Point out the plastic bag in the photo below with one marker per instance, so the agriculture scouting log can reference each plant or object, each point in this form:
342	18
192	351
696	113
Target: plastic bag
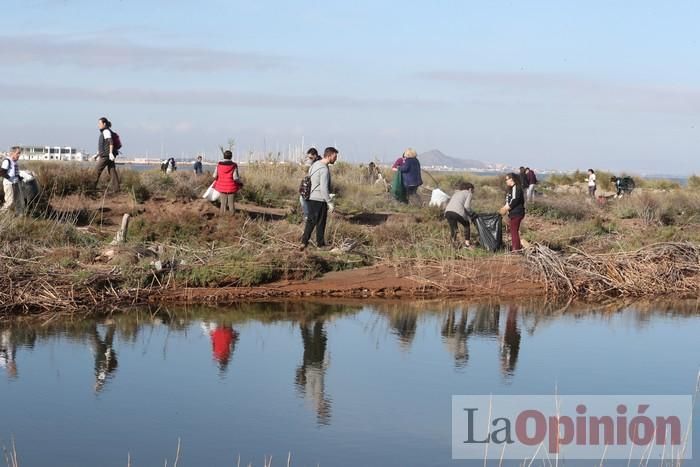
397	188
438	198
211	194
490	227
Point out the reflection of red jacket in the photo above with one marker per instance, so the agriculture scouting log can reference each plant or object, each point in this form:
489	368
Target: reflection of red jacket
221	340
225	177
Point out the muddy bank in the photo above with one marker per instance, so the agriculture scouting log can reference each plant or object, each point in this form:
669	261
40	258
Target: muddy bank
504	277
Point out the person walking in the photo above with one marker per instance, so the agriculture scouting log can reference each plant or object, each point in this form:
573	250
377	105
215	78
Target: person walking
591	183
227	181
524	180
458	211
532	181
320	201
311	157
106	155
515	208
197	166
10	179
411	178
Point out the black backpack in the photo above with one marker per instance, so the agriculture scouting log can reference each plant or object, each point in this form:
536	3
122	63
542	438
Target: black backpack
305	187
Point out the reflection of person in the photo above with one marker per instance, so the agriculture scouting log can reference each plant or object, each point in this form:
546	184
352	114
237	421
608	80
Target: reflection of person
487	320
405	324
455	334
510	345
223	341
310	376
8	352
105	356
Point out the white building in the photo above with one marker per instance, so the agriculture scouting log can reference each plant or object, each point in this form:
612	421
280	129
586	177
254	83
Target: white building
51	153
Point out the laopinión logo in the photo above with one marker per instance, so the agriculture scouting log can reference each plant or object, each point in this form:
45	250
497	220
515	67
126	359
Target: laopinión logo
572	427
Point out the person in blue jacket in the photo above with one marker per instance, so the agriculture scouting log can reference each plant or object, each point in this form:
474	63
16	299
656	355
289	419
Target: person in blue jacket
410	171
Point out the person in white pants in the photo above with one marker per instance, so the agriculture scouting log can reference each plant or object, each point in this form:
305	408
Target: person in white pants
10	173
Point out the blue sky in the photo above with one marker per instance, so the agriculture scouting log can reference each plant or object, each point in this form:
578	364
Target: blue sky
550	84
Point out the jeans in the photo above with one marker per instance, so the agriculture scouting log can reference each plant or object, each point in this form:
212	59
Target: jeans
452	220
515	232
318	214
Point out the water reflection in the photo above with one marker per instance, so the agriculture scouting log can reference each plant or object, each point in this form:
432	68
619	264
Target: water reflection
404	324
223	342
311	374
10	340
510	344
105	356
458	325
337	398
454	333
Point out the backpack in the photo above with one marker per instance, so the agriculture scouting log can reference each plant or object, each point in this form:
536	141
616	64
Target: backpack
116	141
305	188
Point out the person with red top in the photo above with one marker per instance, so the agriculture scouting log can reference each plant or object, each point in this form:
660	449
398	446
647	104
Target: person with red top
227	181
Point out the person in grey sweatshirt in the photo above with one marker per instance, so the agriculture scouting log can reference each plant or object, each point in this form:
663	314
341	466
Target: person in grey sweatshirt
320	202
458	211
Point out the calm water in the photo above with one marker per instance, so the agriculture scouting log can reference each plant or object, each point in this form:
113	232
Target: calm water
337	385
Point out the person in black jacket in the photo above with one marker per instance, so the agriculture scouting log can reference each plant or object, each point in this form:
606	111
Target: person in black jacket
515	208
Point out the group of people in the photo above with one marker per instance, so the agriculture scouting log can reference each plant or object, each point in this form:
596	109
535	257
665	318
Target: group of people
407	177
458	210
528	180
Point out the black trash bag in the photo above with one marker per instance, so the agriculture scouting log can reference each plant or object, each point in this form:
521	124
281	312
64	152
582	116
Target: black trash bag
490	227
627	184
26	193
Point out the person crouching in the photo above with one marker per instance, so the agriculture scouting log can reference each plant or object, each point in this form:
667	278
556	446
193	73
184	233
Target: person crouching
458	211
227	181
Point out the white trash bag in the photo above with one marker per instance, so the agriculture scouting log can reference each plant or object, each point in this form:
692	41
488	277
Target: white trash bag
439	198
211	194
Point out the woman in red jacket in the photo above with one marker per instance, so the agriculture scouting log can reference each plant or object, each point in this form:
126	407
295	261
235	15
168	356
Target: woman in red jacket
227	182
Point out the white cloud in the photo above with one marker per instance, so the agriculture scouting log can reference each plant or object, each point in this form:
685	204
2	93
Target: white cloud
60	51
569	89
205	98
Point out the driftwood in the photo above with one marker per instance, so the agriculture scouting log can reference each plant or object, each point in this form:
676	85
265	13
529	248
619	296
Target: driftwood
123	231
658	269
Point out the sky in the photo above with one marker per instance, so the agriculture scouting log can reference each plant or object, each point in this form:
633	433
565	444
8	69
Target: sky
550	84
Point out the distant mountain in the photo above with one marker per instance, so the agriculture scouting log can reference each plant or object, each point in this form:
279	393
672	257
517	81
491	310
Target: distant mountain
435	158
